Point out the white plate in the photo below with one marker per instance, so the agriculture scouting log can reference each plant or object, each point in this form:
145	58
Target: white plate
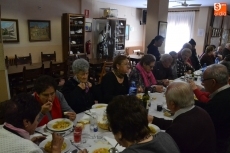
98	146
99	105
155	127
198	72
43	143
51	123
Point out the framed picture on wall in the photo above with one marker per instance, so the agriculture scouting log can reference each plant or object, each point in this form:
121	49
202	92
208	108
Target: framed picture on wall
10	31
162	28
39	30
88	26
127	28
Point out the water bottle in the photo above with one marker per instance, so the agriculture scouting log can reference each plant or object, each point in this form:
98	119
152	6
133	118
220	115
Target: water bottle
204	67
216	60
93	122
133	89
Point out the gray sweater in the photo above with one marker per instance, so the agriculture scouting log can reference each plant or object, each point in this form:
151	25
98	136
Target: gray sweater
161	143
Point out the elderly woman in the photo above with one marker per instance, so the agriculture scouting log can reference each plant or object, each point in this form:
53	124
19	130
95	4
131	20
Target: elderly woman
143	76
174	63
208	56
21	118
52	101
78	90
191	127
183	66
116	82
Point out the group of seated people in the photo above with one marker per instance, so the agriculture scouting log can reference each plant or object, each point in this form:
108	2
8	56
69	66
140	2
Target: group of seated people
200	126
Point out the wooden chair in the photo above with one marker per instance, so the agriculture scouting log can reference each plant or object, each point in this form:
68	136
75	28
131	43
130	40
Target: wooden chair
58	71
107	67
69	62
29	76
48	57
23	60
82	55
7	62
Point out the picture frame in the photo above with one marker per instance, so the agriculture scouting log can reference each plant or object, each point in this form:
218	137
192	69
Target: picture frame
10	32
39	30
162	28
127	29
88	27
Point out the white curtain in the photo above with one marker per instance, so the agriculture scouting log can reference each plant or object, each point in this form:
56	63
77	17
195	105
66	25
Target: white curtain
179	30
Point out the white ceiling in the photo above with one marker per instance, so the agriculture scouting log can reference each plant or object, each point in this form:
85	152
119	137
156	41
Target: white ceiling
142	3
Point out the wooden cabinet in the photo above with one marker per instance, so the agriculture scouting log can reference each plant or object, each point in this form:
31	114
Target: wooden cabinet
109	37
73	34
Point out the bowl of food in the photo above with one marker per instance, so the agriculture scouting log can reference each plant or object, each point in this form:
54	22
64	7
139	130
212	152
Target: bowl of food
59	125
99	105
154	129
99	148
45	145
103	122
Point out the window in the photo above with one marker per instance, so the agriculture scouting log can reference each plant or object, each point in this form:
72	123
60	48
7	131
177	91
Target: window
179	30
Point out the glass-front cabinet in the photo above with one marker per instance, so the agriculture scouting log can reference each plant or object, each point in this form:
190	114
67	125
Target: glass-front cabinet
73	34
109	37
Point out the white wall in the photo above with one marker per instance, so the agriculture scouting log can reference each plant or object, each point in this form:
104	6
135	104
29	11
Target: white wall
28	9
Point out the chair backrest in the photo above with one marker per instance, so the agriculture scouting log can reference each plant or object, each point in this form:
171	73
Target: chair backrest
107	67
58	70
48	57
69	62
23	60
82	55
136	51
30	75
7	62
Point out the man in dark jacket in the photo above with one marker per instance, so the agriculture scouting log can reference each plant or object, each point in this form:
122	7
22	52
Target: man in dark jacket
194	59
215	81
226	50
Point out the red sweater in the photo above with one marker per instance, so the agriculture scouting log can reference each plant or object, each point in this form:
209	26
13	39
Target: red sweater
202	96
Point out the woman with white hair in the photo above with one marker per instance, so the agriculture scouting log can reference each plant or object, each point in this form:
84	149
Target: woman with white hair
191	128
78	90
183	66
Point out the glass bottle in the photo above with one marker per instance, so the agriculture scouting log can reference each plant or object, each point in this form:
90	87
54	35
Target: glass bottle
146	99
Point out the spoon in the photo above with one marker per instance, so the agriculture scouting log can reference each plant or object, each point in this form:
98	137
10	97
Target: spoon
113	150
74	151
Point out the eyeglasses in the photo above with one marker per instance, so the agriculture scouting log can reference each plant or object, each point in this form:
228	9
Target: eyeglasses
202	79
151	67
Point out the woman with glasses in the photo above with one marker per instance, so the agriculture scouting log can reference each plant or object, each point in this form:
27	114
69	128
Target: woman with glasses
52	101
183	66
143	77
116	82
78	91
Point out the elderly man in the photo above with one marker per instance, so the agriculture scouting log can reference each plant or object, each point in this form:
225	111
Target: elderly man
191	128
174	64
183	66
215	81
162	69
226	50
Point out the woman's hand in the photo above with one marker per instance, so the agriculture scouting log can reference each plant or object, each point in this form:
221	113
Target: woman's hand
56	143
89	84
193	85
70	115
140	89
165	82
46	107
83	151
159	88
38	139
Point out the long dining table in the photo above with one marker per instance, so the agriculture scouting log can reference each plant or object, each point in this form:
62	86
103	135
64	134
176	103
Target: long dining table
91	140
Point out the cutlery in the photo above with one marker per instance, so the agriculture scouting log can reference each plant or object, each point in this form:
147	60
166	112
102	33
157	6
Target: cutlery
75	145
44	134
113	149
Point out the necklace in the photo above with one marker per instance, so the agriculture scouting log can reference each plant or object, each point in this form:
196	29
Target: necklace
119	75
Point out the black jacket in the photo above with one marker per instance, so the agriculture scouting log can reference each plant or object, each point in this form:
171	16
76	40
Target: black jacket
77	98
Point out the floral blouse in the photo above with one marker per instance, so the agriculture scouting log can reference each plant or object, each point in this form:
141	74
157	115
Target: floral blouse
183	67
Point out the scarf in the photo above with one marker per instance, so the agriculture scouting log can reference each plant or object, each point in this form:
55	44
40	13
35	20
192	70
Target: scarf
23	133
148	77
55	113
86	84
